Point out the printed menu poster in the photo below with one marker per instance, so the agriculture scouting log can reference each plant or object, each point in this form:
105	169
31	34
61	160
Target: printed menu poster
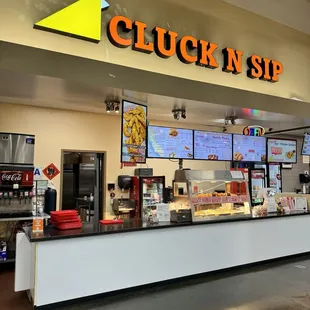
249	148
134	119
164	142
282	151
306	145
212	145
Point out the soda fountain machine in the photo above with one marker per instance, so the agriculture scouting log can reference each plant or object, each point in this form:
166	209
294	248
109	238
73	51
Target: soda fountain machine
16	174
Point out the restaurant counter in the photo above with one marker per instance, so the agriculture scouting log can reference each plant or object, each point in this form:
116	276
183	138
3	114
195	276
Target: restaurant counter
58	266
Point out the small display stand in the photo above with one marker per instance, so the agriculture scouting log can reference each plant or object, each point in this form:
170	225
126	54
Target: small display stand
268	194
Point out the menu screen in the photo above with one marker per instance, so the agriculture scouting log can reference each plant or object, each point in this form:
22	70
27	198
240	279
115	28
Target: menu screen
282	151
249	148
212	145
306	145
165	142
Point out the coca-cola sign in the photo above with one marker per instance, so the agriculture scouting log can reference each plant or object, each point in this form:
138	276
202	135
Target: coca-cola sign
11	177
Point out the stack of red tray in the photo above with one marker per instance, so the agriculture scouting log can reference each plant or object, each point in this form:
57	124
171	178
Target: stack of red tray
67	219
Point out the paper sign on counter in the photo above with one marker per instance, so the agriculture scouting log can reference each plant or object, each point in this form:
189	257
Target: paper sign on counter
301	204
37	224
163	212
236	174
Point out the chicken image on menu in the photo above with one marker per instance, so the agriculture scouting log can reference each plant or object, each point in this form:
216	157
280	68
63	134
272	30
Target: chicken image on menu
212	146
306	145
165	142
134	123
249	148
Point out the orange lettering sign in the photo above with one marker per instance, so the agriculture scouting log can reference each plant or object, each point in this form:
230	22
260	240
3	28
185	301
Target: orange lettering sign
232	60
185	45
164	42
140	44
113	35
189	49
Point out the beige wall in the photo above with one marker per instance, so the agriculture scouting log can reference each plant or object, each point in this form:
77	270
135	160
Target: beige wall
211	20
60	129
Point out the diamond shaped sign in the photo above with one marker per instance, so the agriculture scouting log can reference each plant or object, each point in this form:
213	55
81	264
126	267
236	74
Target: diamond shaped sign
51	171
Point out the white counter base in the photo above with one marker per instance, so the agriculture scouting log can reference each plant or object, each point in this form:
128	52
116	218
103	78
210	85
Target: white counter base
80	267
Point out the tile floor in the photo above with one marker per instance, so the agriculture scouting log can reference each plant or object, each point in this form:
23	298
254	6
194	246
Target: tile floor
9	300
269	287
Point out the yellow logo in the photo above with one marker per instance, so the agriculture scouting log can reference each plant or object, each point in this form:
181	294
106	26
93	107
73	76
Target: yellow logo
81	20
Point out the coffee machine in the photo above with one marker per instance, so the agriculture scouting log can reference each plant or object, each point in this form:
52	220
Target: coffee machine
16	174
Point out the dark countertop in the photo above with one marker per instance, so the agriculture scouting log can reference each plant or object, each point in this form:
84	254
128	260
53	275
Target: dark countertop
50	233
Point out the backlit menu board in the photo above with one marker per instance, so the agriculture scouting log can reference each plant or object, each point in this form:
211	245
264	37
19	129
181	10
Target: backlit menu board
249	148
306	145
165	142
212	145
133	144
282	151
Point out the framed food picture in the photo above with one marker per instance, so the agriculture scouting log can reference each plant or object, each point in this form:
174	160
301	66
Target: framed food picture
133	137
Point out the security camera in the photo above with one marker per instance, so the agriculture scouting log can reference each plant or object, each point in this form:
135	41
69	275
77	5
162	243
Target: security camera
178	113
231	119
176	116
270	129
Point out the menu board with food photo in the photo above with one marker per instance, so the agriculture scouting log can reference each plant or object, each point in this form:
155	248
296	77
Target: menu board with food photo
282	151
165	142
306	145
134	122
212	145
249	148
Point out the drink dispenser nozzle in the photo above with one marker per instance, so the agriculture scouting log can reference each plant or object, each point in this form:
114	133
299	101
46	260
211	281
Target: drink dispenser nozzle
5	196
21	196
10	197
26	197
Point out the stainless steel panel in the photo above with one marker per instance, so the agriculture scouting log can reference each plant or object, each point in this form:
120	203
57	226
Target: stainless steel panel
205	175
16	149
68	201
5	148
87	182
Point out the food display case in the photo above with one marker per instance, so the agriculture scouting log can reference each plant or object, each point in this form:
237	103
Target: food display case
218	194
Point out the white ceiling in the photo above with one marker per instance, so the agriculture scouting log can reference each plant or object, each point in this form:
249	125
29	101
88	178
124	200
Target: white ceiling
293	13
57	93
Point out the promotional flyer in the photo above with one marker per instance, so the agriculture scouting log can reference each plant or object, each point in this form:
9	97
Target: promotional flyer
282	151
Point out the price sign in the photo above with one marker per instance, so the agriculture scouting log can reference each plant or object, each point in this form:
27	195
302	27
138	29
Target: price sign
37	224
217	199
